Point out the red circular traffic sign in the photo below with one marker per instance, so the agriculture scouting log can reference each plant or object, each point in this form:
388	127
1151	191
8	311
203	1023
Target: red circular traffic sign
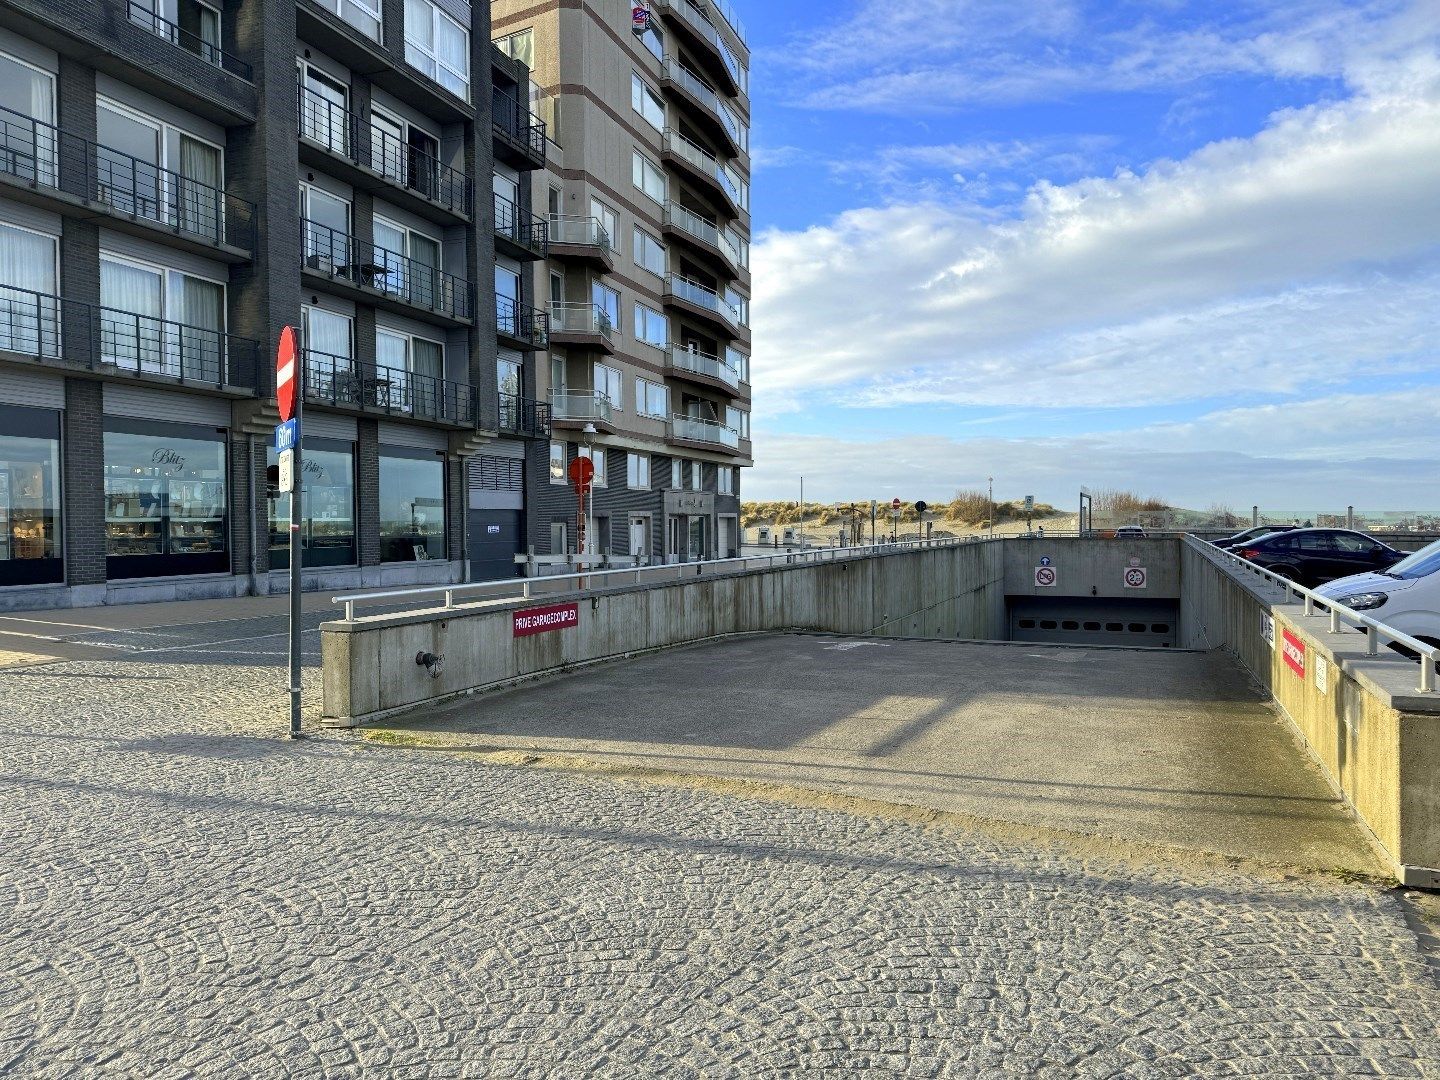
582	471
895	504
285	373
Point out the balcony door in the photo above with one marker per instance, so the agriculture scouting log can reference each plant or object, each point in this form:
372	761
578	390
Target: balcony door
330	373
326	219
325	110
387	146
131	324
507	301
422	160
29	309
130	162
27	109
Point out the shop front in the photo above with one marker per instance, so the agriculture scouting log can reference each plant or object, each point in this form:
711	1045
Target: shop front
166	500
689	526
30	538
327	507
412	505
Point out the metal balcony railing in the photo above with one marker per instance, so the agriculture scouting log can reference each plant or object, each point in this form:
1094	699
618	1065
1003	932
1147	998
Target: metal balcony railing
705	163
342	132
53	328
522	227
521	322
731	245
580	405
706	31
708	97
693	292
703	364
518	122
580	319
523	416
339	255
695	429
345	382
143	14
44	156
579	231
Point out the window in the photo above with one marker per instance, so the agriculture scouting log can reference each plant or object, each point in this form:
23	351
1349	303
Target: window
412	505
165	499
652	399
637	470
557	463
507	303
161	322
194	26
326	333
438	46
608	301
647	176
364	15
409	264
696	476
647	102
519	46
324	112
29	308
654	40
326	221
596	455
29	94
649	252
725	474
676	467
1313	542
651	327
739	361
409	372
608	221
738	420
152	170
327	507
741	305
1355	545
30	536
609	383
558	379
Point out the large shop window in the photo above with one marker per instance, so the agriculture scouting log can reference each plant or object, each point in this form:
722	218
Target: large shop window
30	496
412	505
166	508
327	507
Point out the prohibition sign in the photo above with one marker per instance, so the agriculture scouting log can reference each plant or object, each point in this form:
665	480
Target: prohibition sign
1135	577
1044	576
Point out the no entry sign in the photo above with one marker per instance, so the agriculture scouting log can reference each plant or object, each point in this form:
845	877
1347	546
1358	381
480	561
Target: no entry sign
541	620
285	380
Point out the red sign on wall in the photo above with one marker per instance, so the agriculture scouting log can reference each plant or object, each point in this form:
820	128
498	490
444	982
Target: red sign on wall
540	620
1293	649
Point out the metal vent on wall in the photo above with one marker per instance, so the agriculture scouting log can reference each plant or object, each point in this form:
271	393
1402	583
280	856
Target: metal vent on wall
496	473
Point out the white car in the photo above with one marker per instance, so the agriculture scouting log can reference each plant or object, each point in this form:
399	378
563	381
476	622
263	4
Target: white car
1406	597
1130	532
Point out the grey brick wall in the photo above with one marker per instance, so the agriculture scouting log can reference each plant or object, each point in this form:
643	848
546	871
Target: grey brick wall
84	493
367	491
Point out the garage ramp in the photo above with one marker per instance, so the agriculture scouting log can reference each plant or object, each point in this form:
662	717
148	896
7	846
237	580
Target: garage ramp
1156	745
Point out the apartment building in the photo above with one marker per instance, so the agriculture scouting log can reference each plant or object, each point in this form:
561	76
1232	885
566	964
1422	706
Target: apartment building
647	283
179	179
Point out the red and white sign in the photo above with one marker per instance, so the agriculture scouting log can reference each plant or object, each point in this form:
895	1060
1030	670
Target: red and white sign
541	620
639	18
582	472
285	381
895	504
1135	577
1044	576
1293	650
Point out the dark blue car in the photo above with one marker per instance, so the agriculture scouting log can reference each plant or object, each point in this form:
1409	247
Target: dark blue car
1314	556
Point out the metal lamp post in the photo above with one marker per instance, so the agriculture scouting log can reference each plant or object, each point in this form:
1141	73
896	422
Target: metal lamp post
991	481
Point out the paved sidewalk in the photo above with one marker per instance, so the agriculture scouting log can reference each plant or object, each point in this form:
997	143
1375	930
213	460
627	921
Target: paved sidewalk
186	894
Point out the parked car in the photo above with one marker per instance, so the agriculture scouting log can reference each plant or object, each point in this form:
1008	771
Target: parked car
1130	532
1314	556
1405	596
1227	543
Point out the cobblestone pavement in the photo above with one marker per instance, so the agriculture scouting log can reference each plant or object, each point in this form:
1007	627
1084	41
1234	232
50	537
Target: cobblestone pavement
184	894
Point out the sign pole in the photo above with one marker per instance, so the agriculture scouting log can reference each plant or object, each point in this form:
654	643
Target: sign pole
295	554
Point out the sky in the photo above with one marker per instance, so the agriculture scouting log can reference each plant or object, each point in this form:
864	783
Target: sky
1186	249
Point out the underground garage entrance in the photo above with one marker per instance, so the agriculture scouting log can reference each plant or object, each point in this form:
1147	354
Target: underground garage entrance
1088	620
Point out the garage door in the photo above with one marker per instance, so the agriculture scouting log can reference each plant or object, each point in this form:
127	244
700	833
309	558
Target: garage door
1085	620
494	543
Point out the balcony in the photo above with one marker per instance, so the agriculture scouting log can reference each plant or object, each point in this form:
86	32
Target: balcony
518	232
57	332
695	299
704	105
343	382
581	325
45	166
711	371
724	244
522	416
142	15
709	43
699	163
583	239
520	325
703	434
576	408
377	161
519	133
376	274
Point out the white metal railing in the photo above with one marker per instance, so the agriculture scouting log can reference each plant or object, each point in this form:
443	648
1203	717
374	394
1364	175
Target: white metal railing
678	73
727	179
707	31
703	229
703	364
526	588
696	429
581	231
579	405
580	319
1340	616
694	293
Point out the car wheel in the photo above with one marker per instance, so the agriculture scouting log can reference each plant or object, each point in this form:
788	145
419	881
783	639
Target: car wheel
1289	573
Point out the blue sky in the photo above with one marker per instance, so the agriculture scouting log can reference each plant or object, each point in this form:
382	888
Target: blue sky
1191	249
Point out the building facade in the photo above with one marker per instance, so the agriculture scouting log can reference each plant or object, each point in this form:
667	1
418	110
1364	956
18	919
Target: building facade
647	283
180	179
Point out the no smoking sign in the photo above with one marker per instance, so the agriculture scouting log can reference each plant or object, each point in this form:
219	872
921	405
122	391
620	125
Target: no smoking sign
1044	576
1135	577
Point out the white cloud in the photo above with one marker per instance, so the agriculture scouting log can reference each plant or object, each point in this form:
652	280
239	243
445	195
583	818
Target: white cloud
1302	257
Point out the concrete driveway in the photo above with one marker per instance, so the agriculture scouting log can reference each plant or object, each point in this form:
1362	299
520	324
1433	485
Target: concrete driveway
1161	747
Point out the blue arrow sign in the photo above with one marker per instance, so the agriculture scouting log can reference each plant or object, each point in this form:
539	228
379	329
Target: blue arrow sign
1044	559
287	435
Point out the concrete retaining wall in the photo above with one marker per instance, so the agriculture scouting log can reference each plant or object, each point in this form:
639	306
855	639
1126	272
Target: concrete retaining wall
1092	566
1361	716
370	669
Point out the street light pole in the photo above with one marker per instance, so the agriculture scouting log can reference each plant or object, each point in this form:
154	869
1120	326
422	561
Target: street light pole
991	481
802	513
